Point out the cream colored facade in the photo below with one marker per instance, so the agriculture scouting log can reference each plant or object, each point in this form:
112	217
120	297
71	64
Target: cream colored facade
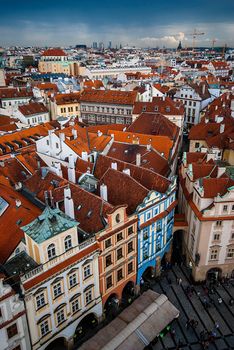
63	289
66	67
209	240
69	109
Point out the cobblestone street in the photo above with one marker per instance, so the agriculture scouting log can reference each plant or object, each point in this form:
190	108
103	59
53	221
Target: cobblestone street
192	307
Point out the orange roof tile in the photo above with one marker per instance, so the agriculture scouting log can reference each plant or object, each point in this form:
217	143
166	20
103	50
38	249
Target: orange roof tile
109	96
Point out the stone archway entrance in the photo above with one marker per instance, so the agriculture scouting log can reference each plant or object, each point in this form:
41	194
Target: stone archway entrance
57	344
128	293
111	306
86	328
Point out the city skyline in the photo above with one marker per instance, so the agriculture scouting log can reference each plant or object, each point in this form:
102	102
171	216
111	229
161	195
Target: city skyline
136	23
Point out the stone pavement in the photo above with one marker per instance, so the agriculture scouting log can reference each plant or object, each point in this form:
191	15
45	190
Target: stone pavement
192	307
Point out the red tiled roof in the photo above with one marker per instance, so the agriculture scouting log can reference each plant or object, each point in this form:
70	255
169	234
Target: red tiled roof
15	93
33	108
149	158
154	124
123	189
109	96
146	177
47	86
166	107
162	144
12	219
213	187
68	98
54	52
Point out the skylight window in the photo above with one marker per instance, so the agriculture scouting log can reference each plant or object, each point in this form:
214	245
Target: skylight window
3	205
89	213
79	207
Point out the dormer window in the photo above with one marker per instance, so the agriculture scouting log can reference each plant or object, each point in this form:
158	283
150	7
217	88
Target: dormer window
156	108
68	243
117	218
51	251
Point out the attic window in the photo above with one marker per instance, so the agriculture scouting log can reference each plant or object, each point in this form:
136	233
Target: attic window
90	212
168	109
18	222
156	108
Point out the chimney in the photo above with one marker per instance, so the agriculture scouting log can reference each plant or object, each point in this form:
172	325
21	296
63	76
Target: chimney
71	161
163	98
126	171
103	192
68	203
58	170
222	127
84	156
99	133
138	159
203	89
74	133
72	174
17	203
148	147
62	136
206	120
114	165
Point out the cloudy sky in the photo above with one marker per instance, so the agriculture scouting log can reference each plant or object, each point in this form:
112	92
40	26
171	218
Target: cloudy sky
144	23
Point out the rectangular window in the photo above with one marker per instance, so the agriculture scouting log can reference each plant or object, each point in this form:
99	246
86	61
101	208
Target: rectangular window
216	237
219	223
130	267
60	317
214	254
40	300
130	247
108	260
87	271
230	253
108	243
12	330
57	145
225	208
44	327
119	236
197	144
75	306
119	274
130	230
88	297
57	290
108	282
119	253
72	280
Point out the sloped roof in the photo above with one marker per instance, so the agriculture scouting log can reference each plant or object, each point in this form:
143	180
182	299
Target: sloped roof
33	108
123	189
154	124
213	187
12	219
109	96
54	52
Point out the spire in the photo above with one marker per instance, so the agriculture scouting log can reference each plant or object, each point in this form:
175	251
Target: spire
179	46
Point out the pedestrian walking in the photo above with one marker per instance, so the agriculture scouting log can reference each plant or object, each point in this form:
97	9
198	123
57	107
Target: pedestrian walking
216	325
220	300
231	302
180	281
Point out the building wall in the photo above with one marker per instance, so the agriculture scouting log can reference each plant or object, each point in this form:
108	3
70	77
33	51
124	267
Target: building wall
48	311
12	315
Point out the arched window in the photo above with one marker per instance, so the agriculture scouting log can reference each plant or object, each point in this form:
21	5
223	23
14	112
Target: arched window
51	251
68	242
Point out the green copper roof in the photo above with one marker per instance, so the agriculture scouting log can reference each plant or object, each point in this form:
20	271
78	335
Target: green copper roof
49	224
230	171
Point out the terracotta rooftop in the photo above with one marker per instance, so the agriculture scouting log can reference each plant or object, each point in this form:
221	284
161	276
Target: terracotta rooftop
146	177
154	124
15	93
123	189
68	98
162	144
213	187
54	52
150	159
33	108
109	96
159	104
12	219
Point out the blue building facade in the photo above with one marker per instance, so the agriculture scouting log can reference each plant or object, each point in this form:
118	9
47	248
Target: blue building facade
155	228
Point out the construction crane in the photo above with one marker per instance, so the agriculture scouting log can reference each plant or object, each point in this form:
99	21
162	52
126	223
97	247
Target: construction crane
213	43
194	35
